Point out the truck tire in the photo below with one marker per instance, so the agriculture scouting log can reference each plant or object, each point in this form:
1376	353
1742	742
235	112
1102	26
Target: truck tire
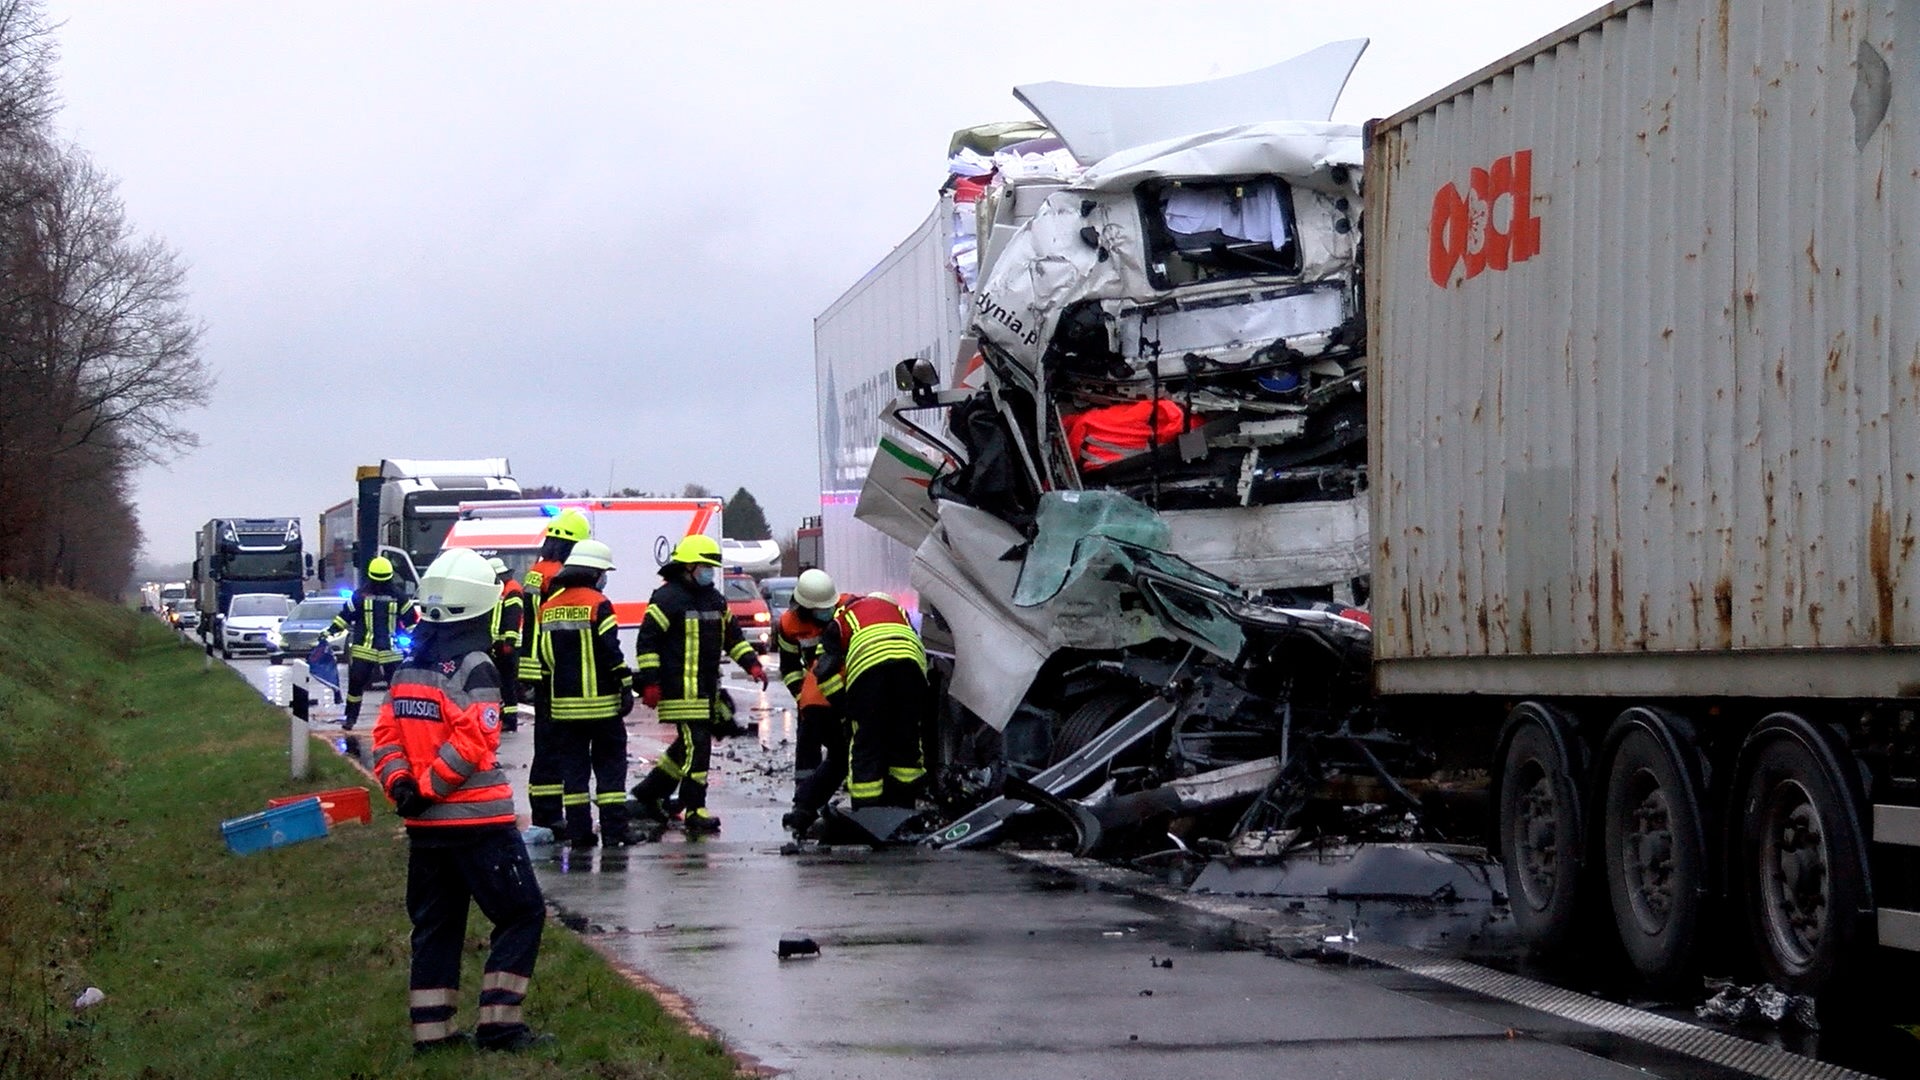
1653	842
1542	830
1092	717
1800	864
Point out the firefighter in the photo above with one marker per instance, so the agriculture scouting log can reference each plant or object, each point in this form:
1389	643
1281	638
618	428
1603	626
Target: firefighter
819	736
677	667
508	615
544	789
873	668
589	690
435	754
375	615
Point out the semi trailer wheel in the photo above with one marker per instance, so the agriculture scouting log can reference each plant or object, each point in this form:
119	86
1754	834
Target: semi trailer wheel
1653	842
1092	717
1542	827
1801	863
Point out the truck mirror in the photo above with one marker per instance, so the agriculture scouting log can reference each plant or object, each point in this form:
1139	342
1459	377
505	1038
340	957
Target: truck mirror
309	565
915	374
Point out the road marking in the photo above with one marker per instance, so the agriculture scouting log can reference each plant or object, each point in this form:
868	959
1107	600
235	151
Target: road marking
1678	1036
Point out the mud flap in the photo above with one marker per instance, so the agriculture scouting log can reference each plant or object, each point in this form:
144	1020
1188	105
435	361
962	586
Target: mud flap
874	825
977	826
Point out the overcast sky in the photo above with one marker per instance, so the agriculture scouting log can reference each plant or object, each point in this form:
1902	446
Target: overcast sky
591	237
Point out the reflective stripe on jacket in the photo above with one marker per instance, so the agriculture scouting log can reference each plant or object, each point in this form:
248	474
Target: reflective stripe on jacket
440	727
579	655
866	631
797	639
371	620
686	629
508	614
534	586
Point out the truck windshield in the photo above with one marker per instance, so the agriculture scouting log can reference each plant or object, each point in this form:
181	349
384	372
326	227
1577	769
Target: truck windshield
263	565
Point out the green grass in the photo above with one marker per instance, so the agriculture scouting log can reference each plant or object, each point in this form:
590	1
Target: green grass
119	757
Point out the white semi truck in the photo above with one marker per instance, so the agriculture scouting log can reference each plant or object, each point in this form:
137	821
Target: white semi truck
1633	328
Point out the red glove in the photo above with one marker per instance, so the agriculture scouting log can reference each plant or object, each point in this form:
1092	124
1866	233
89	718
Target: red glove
650	695
759	674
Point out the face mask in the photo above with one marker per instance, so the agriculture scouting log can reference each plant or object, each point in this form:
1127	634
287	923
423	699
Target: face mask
703	575
822	614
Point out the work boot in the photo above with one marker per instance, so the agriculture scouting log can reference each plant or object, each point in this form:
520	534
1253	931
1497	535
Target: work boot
459	1040
798	820
514	1040
647	810
582	841
701	822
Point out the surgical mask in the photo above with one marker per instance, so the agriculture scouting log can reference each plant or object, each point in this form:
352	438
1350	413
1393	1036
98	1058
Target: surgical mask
703	575
821	614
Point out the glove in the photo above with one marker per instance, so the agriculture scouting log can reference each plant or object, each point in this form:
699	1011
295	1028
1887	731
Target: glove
758	674
626	702
407	799
650	694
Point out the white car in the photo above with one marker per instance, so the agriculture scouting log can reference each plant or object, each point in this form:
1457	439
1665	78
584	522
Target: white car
249	619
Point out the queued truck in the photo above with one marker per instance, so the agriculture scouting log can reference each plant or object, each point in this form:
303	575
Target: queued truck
1630	328
239	556
402	509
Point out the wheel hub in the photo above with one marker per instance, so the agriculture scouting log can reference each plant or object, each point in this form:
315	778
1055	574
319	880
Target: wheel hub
1647	850
1539	835
1793	865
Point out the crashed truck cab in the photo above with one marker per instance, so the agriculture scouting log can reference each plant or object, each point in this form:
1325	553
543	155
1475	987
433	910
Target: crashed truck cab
1150	463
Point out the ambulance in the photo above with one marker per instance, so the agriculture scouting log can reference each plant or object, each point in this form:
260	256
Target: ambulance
641	533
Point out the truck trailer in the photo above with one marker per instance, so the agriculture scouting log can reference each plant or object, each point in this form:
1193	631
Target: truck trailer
402	509
245	555
1639	381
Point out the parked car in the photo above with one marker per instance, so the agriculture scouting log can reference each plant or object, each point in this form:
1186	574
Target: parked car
778	593
183	614
305	625
249	619
748	607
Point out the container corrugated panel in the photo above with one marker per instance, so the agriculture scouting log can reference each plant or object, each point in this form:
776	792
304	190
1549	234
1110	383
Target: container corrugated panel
1646	353
908	305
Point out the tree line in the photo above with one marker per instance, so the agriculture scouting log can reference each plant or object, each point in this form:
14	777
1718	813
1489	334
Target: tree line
98	353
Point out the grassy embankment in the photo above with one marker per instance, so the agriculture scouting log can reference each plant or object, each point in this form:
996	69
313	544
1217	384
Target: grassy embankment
119	756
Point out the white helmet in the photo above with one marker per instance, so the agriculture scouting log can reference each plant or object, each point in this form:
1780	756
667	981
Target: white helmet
815	590
458	585
591	554
499	566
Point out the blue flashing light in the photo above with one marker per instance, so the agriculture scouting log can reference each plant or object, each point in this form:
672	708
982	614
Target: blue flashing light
346	594
550	510
404	641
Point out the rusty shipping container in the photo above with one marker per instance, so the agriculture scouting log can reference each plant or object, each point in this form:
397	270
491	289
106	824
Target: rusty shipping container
1646	360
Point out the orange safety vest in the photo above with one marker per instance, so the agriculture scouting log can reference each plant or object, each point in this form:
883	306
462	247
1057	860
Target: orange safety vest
799	636
440	726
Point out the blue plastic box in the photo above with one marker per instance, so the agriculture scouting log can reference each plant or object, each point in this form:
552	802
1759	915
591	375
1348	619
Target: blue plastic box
274	828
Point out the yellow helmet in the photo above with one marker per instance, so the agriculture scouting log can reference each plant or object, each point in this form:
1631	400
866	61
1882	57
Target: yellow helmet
698	550
379	568
569	525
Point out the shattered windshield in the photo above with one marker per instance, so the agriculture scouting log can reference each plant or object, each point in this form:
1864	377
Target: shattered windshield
1212	230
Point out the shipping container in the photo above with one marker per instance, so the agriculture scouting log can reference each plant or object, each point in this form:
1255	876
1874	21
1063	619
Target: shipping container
1645	360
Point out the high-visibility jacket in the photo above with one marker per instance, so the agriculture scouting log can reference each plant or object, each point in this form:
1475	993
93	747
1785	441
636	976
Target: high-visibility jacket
865	631
579	655
686	629
534	586
440	727
372	619
507	616
797	640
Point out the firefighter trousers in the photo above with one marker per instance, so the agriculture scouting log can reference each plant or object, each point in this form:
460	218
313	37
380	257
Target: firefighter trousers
683	765
816	789
593	751
814	736
886	710
360	672
445	876
505	664
544	789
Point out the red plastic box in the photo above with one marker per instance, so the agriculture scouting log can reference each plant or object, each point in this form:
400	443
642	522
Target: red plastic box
338	805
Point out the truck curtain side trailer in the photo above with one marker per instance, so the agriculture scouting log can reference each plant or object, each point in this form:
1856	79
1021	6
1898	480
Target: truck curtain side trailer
245	555
1645	424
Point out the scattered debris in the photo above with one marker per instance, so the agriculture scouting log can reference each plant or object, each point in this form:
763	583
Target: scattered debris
537	835
794	946
1167	963
89	997
1763	1005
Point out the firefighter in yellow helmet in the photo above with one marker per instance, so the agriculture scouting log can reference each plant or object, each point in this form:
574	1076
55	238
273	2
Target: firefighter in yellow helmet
677	669
374	617
544	789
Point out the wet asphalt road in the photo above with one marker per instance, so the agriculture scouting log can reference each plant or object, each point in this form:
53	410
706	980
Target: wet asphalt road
980	963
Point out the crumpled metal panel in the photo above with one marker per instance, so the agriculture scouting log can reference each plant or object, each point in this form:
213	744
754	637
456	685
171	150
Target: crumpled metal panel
1647	349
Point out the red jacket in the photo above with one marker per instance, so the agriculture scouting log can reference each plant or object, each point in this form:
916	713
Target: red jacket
440	727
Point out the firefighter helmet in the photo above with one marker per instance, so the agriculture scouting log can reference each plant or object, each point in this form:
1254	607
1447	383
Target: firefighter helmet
569	525
697	550
499	567
591	554
379	568
458	585
815	590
